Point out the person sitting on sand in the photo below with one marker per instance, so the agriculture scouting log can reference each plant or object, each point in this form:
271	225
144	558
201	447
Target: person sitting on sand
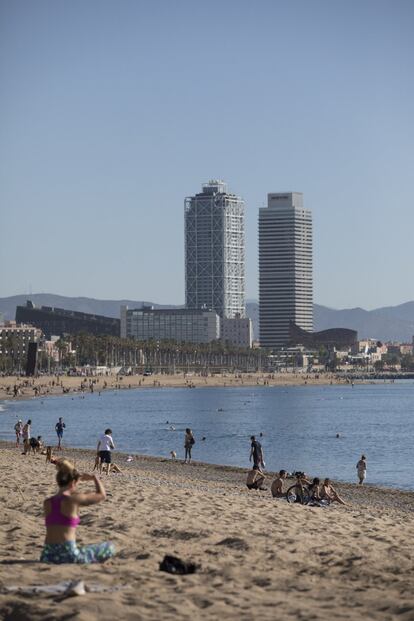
301	483
329	493
277	485
314	490
62	518
114	468
255	478
36	444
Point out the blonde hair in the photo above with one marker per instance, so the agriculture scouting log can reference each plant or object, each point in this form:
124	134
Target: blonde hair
66	472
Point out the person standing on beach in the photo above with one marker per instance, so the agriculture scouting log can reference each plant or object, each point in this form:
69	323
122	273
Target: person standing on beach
59	427
189	442
26	436
18	429
104	448
362	469
256	452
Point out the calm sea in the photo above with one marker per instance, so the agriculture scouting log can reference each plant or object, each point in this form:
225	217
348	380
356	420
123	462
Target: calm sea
299	425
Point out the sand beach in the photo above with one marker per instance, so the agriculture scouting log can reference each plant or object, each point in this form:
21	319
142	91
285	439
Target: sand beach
259	558
45	385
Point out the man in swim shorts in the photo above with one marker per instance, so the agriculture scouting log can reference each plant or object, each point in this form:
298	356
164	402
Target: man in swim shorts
255	478
59	427
256	452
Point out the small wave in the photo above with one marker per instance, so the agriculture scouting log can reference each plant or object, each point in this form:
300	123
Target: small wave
2	408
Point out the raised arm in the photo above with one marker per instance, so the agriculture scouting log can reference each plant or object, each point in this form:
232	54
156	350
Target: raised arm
91	498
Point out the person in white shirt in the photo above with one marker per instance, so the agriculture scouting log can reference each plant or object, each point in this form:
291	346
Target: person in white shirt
104	448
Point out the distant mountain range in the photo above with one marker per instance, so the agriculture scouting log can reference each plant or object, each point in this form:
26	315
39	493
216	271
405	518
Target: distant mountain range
391	323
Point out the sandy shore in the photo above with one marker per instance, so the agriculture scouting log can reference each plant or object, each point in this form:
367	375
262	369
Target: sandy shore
48	385
260	558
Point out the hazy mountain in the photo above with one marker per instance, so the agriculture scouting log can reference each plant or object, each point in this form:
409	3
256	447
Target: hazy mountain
391	323
107	308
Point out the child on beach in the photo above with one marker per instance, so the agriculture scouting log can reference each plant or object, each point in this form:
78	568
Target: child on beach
362	469
18	430
62	518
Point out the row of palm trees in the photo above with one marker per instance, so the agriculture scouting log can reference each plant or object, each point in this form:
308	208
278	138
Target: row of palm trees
160	356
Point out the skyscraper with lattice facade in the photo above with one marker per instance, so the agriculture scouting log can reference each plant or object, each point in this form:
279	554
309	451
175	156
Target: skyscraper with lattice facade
214	251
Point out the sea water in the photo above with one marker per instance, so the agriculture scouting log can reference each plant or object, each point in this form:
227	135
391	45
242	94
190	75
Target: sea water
299	425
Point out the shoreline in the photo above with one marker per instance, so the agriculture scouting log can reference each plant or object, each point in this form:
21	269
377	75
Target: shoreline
254	553
48	385
232	474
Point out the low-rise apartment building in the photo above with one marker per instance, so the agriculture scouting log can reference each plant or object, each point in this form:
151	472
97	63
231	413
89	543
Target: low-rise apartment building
170	324
237	331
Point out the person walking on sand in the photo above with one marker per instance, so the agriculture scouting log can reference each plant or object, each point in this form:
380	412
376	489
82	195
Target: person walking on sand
256	453
104	448
59	427
189	442
362	469
18	430
62	518
26	436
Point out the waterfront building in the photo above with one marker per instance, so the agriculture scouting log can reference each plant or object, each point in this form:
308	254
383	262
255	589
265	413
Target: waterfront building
15	341
58	322
332	338
285	268
214	251
237	331
170	324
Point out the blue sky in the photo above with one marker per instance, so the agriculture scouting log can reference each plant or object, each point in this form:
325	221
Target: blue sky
113	112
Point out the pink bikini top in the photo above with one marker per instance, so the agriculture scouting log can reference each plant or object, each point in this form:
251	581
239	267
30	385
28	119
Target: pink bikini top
56	517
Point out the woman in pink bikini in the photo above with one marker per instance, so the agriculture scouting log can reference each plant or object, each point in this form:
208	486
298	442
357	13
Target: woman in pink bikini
62	519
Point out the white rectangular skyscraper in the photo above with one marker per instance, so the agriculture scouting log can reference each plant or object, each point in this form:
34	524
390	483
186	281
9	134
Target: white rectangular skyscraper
285	268
214	251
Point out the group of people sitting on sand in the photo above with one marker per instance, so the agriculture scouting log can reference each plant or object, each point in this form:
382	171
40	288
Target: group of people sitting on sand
319	493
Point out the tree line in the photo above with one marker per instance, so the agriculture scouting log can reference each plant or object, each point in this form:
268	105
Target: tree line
155	356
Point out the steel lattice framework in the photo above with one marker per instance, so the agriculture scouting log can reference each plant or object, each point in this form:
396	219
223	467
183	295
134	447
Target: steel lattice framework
214	251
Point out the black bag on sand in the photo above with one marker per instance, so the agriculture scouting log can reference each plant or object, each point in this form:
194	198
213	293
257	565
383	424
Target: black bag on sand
174	565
